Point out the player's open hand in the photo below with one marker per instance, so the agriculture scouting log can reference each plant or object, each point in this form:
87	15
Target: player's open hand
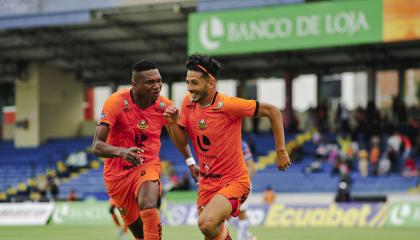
282	160
195	172
132	155
171	114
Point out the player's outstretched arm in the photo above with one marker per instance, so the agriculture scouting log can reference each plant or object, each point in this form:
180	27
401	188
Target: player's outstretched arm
101	149
276	121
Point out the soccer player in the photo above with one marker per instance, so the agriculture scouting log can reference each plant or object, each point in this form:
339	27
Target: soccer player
128	135
241	223
123	229
213	122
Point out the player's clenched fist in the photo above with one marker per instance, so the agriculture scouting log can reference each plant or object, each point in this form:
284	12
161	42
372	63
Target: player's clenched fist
171	114
132	155
282	160
195	172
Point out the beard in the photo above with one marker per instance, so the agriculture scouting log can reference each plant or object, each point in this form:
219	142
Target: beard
199	96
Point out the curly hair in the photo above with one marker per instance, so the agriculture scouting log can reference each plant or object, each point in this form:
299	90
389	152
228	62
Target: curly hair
205	64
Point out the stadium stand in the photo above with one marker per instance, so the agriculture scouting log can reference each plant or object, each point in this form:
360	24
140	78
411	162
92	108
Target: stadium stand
22	168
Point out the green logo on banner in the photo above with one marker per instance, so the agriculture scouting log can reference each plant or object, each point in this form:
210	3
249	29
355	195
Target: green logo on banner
286	27
210	33
82	213
405	214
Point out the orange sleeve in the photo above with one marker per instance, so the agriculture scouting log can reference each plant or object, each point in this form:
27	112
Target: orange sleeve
239	107
109	111
183	121
163	104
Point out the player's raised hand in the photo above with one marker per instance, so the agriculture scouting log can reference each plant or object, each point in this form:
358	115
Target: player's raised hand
171	114
195	172
282	160
132	155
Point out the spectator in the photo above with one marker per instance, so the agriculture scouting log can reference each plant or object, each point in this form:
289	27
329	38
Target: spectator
343	190
343	118
42	186
184	185
360	132
322	117
363	163
53	186
269	195
395	141
374	155
410	168
384	166
407	146
174	181
72	196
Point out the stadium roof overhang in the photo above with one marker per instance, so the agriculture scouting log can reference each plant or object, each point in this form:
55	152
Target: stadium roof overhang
102	49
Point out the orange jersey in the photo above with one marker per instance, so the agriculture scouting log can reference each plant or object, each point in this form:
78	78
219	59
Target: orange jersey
131	126
215	131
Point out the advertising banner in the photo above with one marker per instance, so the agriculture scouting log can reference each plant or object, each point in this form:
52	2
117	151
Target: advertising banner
281	215
14	214
406	214
299	26
82	213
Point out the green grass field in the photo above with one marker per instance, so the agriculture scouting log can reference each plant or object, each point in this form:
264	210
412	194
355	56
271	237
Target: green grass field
190	233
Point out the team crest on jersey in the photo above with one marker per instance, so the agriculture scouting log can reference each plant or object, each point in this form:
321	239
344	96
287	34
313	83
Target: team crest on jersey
202	124
142	124
220	104
162	105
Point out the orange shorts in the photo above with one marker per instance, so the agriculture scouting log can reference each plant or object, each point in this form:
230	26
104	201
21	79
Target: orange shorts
234	192
124	191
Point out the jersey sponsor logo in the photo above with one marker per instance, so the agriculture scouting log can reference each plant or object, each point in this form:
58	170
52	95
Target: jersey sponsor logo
129	167
207	156
211	175
202	124
140	139
143	173
142	125
203	144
